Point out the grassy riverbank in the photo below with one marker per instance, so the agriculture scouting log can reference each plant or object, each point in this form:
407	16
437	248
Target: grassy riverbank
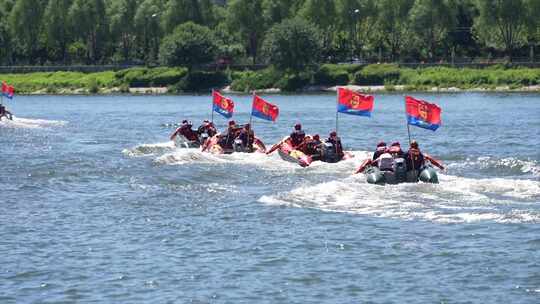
176	80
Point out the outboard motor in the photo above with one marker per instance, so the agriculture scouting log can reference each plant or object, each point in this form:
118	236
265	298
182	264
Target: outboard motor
329	153
400	169
386	162
238	146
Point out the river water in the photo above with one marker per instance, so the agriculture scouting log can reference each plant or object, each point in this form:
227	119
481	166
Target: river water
97	206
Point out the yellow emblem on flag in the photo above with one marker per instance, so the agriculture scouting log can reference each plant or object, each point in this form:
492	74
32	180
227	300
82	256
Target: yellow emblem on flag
224	103
423	111
265	109
355	101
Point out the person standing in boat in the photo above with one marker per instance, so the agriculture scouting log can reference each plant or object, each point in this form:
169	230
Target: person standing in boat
186	131
297	136
415	159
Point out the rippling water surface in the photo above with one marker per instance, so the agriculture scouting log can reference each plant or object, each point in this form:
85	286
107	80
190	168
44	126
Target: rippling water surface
97	206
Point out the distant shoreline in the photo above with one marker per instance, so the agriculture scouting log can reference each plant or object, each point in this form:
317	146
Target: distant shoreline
326	78
311	89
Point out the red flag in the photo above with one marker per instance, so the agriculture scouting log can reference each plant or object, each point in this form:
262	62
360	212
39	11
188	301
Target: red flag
422	114
222	105
353	103
4	88
10	92
263	109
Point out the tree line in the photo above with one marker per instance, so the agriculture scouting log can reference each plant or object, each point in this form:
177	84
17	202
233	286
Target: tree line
287	33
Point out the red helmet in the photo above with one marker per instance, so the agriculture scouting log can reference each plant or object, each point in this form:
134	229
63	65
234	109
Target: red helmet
333	133
381	144
396	143
232	123
316	137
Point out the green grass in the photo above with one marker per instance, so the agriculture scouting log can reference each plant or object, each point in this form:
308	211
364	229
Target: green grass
53	82
178	80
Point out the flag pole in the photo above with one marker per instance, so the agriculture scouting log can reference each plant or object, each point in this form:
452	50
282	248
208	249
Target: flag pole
407	122
409	148
251	113
212	107
337	105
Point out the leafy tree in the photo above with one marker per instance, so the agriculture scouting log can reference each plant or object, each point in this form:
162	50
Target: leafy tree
57	35
393	24
149	32
5	40
292	44
88	19
366	23
189	44
461	39
321	13
25	25
122	24
358	18
431	21
533	32
275	11
243	17
228	46
503	24
181	11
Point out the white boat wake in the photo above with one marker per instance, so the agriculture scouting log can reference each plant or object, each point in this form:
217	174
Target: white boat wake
28	123
455	199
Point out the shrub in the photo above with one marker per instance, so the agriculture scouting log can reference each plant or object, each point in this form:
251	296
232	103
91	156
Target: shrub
330	74
250	80
293	82
377	74
93	86
164	77
199	82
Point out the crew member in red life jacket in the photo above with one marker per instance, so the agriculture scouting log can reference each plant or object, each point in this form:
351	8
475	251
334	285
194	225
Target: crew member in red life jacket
186	131
395	150
247	137
415	159
297	136
335	141
208	128
381	148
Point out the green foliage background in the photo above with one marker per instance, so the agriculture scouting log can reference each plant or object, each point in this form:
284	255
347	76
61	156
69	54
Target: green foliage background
49	32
